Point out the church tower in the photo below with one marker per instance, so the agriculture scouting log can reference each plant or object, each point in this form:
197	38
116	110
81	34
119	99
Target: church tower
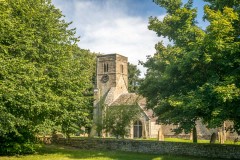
112	76
111	82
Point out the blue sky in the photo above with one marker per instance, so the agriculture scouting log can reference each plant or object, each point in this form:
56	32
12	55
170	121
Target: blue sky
117	26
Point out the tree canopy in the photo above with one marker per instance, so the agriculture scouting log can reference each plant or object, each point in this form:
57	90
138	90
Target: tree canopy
133	78
45	79
118	119
197	75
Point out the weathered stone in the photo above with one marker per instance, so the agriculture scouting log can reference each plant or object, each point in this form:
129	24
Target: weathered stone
160	134
213	138
209	151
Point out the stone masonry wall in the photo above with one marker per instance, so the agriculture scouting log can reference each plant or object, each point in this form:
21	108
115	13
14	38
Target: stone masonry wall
157	147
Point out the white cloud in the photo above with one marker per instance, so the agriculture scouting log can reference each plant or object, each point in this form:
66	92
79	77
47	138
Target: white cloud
105	27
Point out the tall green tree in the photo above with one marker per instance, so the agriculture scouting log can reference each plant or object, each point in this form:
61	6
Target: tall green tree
133	78
197	77
45	79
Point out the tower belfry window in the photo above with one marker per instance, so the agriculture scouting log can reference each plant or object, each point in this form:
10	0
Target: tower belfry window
121	68
105	69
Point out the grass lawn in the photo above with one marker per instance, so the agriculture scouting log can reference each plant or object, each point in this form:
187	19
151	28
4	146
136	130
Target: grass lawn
190	141
199	141
52	152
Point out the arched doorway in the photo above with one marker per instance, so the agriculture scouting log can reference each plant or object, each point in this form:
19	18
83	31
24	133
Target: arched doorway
137	129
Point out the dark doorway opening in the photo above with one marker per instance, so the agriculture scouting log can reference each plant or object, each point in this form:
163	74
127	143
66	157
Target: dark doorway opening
137	129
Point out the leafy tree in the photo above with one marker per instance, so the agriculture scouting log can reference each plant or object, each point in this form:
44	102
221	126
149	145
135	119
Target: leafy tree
45	79
221	45
133	78
219	5
77	95
197	77
117	119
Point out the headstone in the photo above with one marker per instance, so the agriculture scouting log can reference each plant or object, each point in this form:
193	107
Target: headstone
213	138
191	136
222	134
220	137
160	134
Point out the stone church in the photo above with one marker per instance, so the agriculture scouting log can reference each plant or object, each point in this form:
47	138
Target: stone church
112	86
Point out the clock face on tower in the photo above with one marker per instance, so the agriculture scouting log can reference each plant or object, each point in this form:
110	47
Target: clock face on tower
105	78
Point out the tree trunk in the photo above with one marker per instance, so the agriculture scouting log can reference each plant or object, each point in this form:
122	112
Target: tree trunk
68	137
194	135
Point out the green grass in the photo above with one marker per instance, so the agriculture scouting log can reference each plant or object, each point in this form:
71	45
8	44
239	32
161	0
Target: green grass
184	140
199	141
188	141
66	153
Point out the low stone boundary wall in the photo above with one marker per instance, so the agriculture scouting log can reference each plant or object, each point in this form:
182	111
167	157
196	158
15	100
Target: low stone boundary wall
157	147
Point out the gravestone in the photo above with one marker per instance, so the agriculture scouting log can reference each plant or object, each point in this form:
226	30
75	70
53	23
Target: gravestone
160	134
213	138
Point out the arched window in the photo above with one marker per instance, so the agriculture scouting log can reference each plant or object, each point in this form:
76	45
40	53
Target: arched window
105	67
137	129
121	68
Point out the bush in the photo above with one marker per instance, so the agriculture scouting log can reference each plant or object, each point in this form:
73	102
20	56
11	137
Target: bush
15	148
21	142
